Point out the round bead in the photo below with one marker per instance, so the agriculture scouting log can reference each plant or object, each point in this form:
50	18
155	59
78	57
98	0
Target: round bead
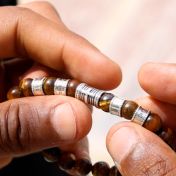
48	86
100	169
51	155
114	171
167	136
25	86
83	166
128	109
105	101
66	161
153	123
14	92
71	89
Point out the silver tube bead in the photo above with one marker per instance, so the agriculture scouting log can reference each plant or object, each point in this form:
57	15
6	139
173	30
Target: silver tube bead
60	86
116	106
37	86
140	116
88	94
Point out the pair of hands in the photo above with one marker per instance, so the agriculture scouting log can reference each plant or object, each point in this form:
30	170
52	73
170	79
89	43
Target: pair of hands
35	33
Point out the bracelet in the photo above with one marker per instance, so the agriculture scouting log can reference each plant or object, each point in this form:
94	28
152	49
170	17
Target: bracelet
105	101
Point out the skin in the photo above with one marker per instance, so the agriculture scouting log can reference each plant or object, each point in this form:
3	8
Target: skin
144	153
50	48
46	48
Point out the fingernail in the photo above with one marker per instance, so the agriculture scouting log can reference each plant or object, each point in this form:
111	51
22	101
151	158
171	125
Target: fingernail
121	143
64	122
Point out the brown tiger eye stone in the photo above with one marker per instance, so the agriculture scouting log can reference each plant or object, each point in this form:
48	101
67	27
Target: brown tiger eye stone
25	86
167	136
128	109
114	171
153	123
14	92
51	155
48	86
100	169
105	101
66	161
83	166
71	89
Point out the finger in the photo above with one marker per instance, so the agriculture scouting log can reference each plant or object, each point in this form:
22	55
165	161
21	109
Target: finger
12	65
159	81
55	46
165	110
35	123
137	151
38	71
5	161
45	9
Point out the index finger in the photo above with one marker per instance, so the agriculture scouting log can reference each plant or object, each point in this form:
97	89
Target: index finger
159	80
25	33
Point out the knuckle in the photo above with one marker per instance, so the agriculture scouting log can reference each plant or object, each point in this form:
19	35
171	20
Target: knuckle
14	127
143	161
44	4
39	5
22	11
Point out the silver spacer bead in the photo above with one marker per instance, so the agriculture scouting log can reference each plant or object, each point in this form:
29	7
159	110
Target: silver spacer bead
140	116
37	86
88	94
49	160
116	106
60	86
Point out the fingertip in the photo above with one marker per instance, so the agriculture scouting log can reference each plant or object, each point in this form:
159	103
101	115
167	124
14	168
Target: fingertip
83	118
158	79
110	78
136	150
71	119
114	129
87	64
119	143
144	74
114	76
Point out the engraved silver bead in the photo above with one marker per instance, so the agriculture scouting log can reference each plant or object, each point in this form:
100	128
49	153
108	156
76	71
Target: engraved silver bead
60	86
116	106
88	94
37	86
140	116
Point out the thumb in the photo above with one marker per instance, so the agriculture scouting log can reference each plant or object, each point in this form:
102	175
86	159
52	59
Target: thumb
36	123
136	151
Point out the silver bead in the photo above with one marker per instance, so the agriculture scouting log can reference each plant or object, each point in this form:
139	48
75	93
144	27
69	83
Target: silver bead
37	86
116	106
60	86
140	115
49	160
88	94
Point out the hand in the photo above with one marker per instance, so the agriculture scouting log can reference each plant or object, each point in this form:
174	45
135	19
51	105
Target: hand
136	150
35	32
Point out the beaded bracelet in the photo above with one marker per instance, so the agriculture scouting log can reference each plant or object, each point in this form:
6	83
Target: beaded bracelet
106	101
